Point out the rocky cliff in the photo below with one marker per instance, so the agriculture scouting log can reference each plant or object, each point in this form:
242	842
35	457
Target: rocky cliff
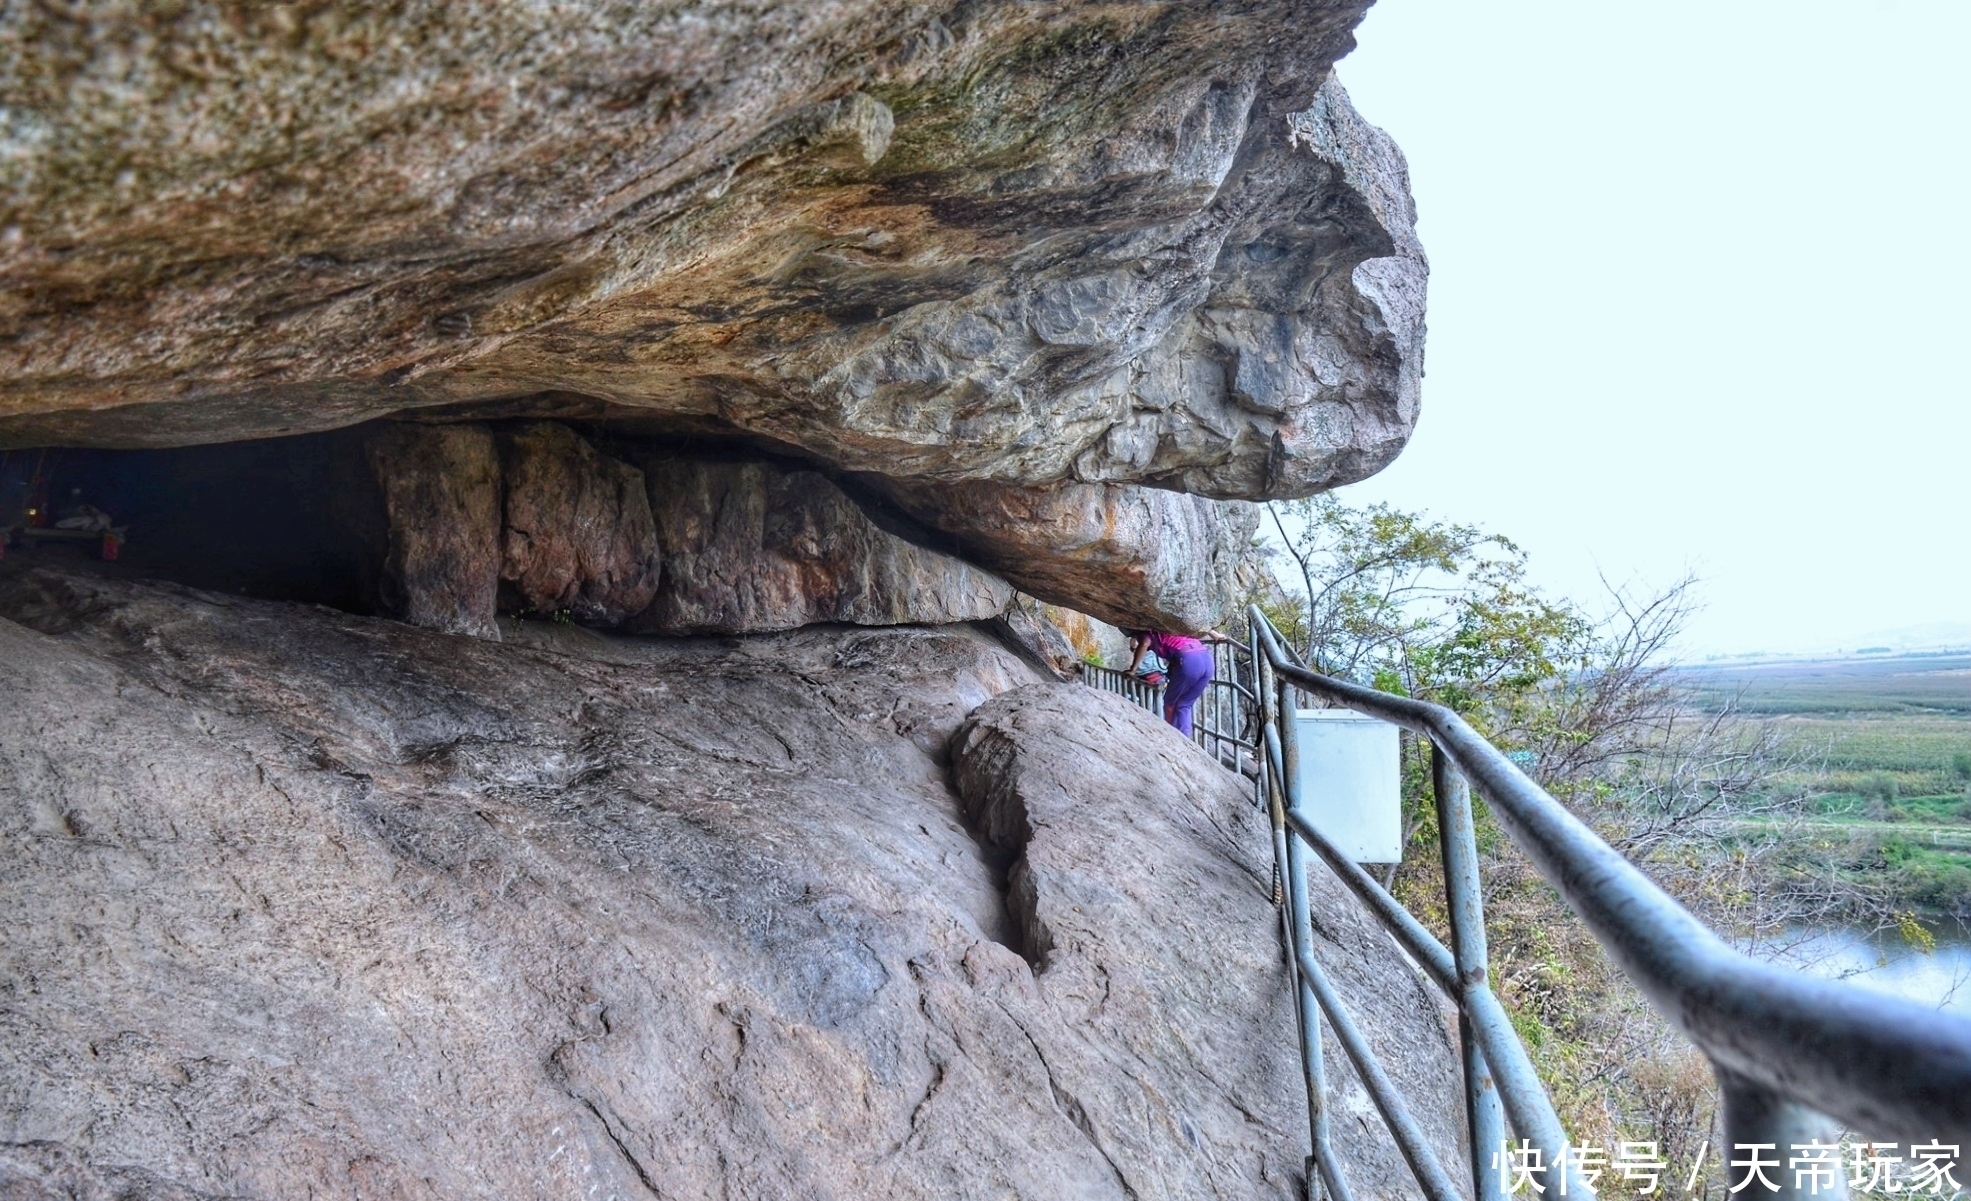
744	411
306	904
993	259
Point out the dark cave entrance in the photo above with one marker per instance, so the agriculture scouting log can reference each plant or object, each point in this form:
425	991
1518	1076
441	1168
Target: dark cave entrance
309	518
294	518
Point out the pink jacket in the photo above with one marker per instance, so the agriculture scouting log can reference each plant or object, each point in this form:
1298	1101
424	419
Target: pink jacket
1168	646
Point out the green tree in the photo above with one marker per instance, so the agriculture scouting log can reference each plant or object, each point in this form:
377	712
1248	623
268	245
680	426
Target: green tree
1587	704
1424	608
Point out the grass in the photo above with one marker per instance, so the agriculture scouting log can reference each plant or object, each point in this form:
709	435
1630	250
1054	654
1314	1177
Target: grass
1902	742
1902	684
1877	763
1884	757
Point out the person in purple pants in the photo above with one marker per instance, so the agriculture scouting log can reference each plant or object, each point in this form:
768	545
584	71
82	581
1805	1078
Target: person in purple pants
1190	663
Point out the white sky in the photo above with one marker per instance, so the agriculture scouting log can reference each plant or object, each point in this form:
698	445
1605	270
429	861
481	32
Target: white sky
1698	297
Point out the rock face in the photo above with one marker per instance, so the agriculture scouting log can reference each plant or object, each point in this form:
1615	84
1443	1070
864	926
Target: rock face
578	532
1003	245
898	305
303	903
751	546
739	545
1061	640
1138	557
441	498
905	236
1028	626
1090	639
1200	860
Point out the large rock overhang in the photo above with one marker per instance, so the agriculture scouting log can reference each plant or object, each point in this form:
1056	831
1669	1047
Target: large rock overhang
961	250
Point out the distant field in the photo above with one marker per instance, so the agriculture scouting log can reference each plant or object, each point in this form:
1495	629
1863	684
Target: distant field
1884	749
1895	727
1891	684
1865	741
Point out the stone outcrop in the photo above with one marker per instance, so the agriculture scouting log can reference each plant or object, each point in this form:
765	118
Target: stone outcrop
1026	626
532	519
904	236
441	499
1090	639
303	903
578	533
1061	640
1200	871
714	317
1138	557
752	546
1013	245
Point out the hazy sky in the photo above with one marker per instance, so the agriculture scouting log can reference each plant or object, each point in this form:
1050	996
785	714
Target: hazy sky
1698	297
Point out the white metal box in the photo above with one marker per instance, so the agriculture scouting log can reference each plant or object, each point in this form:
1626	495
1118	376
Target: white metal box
1351	786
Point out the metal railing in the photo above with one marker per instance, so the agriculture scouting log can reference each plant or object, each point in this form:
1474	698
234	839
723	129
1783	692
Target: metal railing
1226	720
1796	1058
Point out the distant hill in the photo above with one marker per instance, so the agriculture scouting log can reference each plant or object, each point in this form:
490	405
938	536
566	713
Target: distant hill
1937	637
1933	636
1877	683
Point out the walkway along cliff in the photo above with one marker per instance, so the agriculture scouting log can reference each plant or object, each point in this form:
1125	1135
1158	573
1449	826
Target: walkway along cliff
1813	1076
601	502
578	469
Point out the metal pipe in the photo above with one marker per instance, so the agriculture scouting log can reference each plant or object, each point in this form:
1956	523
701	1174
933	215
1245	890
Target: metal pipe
1300	939
1759	1124
1430	1174
1257	667
1484	1119
1525	1097
1878	1064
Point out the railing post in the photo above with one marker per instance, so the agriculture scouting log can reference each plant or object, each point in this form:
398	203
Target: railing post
1259	675
1484	1116
1318	995
1518	1085
1323	1170
1761	1125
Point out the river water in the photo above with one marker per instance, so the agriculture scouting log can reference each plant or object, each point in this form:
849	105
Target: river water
1883	961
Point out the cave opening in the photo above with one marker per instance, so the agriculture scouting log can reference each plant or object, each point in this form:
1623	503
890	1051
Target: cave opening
313	518
295	518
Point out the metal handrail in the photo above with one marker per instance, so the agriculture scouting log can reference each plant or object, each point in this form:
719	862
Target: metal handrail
1786	1048
1225	720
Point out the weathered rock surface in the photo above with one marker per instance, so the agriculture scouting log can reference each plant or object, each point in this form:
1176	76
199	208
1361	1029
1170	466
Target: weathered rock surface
1075	782
43	1171
1025	626
1061	640
1091	639
982	250
1028	242
441	499
302	903
751	546
1139	557
578	532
